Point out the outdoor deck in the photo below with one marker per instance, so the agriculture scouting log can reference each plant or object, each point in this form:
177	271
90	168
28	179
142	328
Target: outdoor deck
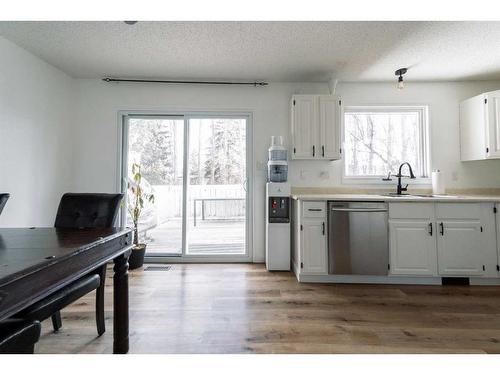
208	237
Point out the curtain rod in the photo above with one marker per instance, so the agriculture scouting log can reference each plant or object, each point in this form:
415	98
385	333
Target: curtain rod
255	84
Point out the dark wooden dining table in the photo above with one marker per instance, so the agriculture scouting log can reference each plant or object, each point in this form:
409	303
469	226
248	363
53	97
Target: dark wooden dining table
36	262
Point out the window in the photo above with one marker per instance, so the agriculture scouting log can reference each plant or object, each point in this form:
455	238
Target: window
378	139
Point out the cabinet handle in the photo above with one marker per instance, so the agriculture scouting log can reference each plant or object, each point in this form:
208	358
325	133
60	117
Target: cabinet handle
323	151
323	228
441	225
430	229
314	151
315	209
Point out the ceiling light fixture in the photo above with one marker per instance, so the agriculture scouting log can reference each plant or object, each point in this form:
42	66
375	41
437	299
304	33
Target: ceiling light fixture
400	72
130	22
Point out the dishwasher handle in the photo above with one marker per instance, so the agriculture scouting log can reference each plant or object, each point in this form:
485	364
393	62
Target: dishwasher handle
359	209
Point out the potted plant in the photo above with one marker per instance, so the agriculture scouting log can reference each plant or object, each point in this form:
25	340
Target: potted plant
136	198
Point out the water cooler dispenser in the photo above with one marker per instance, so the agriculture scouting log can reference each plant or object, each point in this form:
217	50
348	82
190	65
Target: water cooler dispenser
277	208
277	164
277	226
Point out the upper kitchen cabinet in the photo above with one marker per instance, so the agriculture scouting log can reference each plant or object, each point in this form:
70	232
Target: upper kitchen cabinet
316	127
480	127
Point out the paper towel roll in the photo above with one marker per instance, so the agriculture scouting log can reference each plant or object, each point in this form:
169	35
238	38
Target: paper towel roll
438	187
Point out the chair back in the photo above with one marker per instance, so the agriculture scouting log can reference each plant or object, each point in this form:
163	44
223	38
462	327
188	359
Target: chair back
4	197
87	210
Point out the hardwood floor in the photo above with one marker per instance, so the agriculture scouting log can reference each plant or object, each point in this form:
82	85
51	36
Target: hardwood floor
242	308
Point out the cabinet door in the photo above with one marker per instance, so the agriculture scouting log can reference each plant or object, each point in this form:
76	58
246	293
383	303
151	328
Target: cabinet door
304	127
473	129
460	251
412	247
497	219
314	254
493	121
329	127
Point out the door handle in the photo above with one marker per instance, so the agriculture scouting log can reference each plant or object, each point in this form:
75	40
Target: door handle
314	151
441	225
430	229
323	230
323	151
359	209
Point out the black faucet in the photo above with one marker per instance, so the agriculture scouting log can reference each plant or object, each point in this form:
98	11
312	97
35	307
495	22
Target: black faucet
400	188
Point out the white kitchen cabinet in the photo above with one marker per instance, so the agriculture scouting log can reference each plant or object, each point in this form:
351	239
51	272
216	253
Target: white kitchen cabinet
459	246
466	239
462	242
493	121
305	132
329	126
313	243
412	245
412	239
316	127
497	242
480	127
427	240
314	248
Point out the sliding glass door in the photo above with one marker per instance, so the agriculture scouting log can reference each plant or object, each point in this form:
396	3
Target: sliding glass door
196	167
156	144
216	186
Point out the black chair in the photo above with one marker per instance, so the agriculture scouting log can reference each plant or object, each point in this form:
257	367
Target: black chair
4	197
79	211
18	336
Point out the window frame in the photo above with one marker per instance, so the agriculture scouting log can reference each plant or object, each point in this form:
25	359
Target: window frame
423	175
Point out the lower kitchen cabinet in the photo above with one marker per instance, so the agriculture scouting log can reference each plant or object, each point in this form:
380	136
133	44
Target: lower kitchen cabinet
497	227
454	239
412	246
427	240
314	256
460	249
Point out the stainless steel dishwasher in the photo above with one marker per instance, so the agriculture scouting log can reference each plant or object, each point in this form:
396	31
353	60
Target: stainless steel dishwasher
357	238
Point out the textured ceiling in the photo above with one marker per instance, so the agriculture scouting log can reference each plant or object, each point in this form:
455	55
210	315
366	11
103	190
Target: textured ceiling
274	51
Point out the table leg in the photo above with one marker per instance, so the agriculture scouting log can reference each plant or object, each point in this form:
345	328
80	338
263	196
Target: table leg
120	304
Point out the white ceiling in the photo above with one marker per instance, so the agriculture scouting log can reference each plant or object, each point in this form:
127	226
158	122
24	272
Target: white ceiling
274	51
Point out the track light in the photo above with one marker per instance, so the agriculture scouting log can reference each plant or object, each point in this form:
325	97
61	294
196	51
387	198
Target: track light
400	73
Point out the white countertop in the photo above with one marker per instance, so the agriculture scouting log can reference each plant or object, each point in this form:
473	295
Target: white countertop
402	198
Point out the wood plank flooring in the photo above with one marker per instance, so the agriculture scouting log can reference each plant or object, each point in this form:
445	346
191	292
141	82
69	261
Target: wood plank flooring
242	308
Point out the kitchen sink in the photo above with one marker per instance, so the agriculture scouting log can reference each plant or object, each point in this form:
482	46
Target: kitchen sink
399	195
420	195
435	196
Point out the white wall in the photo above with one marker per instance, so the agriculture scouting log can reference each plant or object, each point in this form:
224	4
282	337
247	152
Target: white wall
96	150
35	137
443	101
59	134
98	103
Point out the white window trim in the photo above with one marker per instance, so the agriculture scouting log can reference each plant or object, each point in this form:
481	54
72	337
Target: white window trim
424	147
